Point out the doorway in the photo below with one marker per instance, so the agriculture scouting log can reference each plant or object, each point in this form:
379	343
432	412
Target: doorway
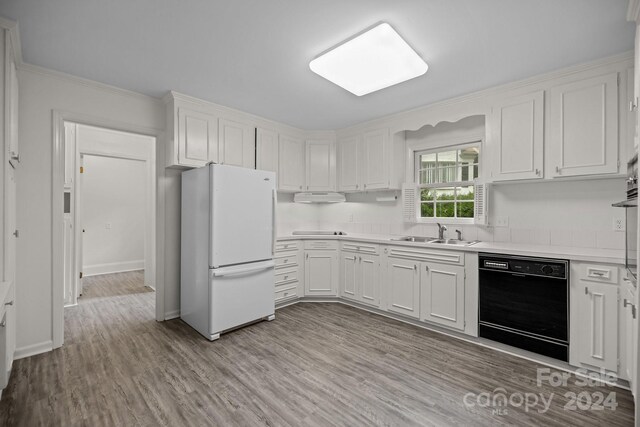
109	206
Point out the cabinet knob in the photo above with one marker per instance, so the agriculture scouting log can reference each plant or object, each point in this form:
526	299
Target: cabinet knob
11	303
538	172
558	169
426	268
586	290
415	267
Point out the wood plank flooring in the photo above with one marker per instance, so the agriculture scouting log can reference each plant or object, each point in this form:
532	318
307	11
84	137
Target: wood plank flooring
315	365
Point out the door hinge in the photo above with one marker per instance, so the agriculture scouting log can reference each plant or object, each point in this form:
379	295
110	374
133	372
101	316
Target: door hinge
81	274
81	169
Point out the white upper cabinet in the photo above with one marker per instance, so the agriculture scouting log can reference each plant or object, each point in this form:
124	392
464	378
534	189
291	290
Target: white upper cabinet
349	164
517	139
197	138
291	164
266	150
376	160
237	144
583	127
320	165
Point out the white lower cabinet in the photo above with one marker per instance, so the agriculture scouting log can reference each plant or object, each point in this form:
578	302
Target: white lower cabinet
442	294
629	320
360	273
403	287
321	268
288	271
594	297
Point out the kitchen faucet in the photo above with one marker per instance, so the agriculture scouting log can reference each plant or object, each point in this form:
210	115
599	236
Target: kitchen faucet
441	230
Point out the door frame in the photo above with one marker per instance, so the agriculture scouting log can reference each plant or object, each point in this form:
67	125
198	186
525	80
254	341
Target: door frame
57	204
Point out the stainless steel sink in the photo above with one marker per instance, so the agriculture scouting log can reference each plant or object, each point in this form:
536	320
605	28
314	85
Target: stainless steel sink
416	239
453	242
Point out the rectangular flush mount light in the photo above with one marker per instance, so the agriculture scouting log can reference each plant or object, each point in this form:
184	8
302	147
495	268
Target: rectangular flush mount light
374	60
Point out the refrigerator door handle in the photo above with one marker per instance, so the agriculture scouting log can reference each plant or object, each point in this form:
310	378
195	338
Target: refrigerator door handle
242	269
274	223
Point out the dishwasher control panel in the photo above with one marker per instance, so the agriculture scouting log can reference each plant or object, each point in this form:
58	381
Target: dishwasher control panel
530	265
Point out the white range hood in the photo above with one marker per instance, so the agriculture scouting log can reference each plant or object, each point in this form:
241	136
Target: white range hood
319	198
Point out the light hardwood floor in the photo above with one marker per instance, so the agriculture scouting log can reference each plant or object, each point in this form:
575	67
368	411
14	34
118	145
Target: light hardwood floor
316	364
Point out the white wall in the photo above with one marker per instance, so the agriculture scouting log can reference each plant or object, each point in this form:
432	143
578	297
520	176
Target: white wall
113	198
40	94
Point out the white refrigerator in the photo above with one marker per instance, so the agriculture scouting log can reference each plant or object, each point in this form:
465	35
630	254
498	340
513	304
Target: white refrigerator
228	238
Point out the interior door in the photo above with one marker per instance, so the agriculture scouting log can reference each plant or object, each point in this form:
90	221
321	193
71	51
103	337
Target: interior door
242	215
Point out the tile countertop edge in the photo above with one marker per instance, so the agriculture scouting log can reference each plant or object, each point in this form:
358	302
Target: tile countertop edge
608	256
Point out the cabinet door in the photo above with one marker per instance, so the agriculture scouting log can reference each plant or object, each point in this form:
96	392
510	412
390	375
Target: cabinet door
369	279
518	126
403	282
11	99
349	164
320	165
291	164
197	138
348	276
236	141
583	127
442	294
321	273
598	315
267	150
375	161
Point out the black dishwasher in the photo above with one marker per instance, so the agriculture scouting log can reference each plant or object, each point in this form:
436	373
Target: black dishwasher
524	302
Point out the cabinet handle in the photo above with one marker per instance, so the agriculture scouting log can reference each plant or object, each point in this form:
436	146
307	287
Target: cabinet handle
586	290
627	303
301	187
4	323
360	259
365	186
426	268
558	170
538	172
16	234
415	267
11	303
356	186
285	261
307	256
386	250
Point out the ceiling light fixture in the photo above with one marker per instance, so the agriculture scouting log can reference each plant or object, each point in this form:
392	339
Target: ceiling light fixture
373	60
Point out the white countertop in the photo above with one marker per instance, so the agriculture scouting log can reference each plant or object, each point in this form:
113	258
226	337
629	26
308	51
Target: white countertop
611	256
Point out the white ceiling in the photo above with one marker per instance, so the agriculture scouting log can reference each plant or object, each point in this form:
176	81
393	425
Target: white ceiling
254	54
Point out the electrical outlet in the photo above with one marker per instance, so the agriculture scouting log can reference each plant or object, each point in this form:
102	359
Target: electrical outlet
350	217
502	221
618	224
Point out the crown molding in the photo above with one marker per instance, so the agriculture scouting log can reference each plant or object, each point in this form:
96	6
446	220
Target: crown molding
621	59
36	69
633	10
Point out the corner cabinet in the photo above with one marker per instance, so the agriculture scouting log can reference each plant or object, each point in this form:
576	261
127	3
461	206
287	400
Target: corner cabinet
583	127
291	168
320	162
321	268
517	138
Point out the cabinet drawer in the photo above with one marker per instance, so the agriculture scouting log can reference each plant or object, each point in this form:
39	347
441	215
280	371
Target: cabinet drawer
286	293
286	260
288	245
367	248
321	244
419	254
598	273
286	276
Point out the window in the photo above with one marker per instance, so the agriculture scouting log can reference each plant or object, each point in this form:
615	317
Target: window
445	180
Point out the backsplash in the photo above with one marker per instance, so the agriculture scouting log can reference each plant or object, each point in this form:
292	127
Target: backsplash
558	213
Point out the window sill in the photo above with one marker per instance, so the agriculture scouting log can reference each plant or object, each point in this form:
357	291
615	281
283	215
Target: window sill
469	221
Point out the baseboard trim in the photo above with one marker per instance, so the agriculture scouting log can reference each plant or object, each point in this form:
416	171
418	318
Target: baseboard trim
483	342
33	349
112	267
173	314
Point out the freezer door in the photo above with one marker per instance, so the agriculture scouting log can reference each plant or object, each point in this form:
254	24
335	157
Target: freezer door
242	215
241	294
